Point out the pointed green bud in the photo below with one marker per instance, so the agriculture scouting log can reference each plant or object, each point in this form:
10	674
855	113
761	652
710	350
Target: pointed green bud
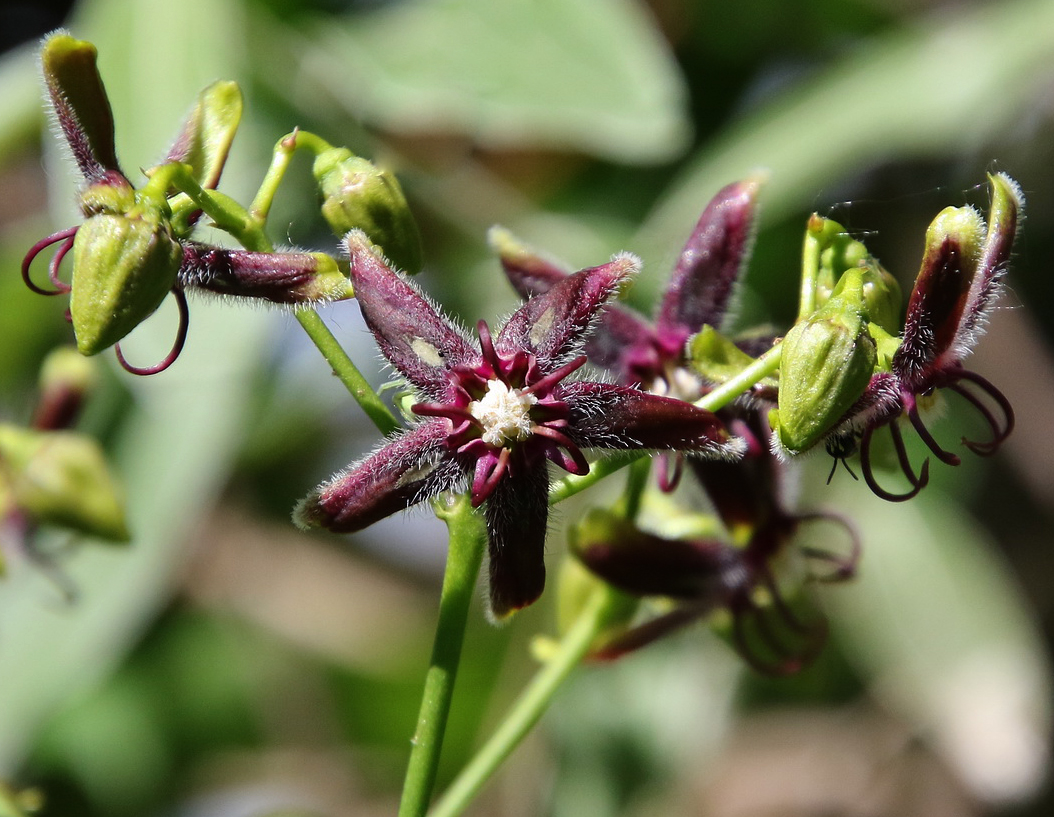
356	194
61	478
826	363
836	251
123	267
208	132
66	378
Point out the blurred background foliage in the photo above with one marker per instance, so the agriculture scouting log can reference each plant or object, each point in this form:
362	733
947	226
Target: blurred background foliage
224	665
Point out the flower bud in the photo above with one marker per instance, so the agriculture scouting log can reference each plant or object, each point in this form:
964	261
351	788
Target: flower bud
827	362
61	478
206	137
123	266
66	377
356	194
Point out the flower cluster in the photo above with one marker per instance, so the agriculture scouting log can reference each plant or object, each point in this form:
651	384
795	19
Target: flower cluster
136	246
495	412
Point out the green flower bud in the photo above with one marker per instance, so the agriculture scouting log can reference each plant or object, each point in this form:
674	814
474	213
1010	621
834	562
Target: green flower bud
826	363
356	194
123	266
66	378
208	132
880	297
61	478
837	252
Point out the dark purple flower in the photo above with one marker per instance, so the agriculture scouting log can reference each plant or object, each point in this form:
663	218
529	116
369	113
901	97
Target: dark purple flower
494	412
736	573
698	294
961	277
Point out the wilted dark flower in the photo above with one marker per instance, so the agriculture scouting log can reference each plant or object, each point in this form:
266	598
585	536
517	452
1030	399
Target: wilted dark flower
961	276
495	412
736	572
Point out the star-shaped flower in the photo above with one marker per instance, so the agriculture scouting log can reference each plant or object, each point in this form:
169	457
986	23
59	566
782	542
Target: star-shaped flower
961	277
495	411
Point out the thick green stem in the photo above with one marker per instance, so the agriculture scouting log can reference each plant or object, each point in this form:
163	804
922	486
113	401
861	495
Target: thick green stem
468	537
529	707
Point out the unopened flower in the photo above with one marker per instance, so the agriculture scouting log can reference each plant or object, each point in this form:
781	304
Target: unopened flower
963	266
494	412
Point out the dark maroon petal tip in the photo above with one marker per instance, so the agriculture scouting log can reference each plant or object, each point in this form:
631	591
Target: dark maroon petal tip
710	264
621	417
529	272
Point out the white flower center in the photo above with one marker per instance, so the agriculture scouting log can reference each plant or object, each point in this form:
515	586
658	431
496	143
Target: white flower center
503	413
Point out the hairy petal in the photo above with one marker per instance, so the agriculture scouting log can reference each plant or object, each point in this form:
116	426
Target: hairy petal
553	326
710	263
940	296
1005	214
415	337
81	106
621	417
517	511
408	469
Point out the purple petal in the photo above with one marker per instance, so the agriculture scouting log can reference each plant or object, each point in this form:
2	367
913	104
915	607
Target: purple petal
710	264
530	273
412	334
516	512
620	417
552	326
642	564
408	469
625	344
1003	219
935	311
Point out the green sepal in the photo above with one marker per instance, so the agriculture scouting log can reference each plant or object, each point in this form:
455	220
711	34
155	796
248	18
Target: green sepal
716	358
81	105
356	194
123	267
61	478
826	364
207	134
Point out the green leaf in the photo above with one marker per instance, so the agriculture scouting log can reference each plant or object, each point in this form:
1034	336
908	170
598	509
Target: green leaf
501	72
938	88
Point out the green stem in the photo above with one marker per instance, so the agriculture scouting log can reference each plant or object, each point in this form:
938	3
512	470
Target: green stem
468	536
346	371
717	398
529	707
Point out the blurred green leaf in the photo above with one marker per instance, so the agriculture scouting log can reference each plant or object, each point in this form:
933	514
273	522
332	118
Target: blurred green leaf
174	451
938	626
498	73
943	86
